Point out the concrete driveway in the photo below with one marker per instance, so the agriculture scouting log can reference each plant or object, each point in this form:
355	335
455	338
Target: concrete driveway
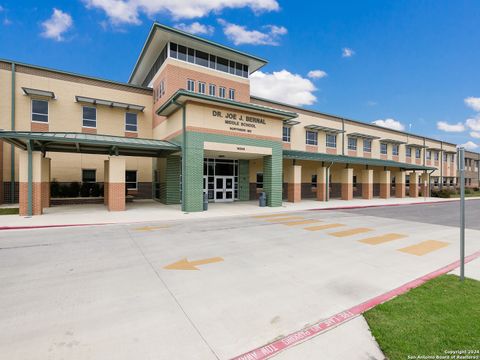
132	291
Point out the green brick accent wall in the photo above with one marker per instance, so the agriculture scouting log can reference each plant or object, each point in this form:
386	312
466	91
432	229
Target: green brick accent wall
243	180
170	191
194	168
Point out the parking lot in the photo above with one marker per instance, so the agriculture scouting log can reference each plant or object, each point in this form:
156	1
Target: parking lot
210	288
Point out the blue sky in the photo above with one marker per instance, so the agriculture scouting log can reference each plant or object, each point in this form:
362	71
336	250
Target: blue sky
410	63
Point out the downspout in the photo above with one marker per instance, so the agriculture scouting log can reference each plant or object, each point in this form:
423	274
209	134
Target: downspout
30	179
343	136
327	182
184	148
12	149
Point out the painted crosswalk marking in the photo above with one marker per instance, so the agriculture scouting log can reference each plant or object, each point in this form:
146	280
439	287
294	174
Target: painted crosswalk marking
301	222
322	227
288	218
375	240
351	232
424	247
270	216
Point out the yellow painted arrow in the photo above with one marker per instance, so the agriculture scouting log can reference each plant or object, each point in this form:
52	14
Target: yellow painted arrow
184	264
151	228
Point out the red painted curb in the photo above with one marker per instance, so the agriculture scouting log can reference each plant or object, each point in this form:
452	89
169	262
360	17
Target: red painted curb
48	226
380	205
298	337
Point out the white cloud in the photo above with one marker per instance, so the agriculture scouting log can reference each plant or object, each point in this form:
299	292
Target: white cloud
129	11
347	52
390	124
475	134
473	102
444	126
283	86
473	123
59	23
196	28
239	34
469	145
316	74
372	103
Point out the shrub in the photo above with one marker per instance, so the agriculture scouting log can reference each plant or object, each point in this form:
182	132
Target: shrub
74	189
101	191
85	189
95	190
63	190
54	189
476	188
468	191
445	193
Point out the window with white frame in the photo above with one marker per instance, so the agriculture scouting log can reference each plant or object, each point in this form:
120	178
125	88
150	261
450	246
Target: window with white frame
39	110
222	92
445	157
190	85
409	151
435	155
331	140
418	153
314	181
395	149
429	154
453	160
352	143
259	180
212	90
89	117
131	179
89	175
131	123
311	138
231	94
286	133
201	87
367	145
383	148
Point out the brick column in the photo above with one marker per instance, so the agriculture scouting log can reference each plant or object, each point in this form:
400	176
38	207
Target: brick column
413	191
400	184
1	172
46	170
425	185
385	184
294	183
367	184
116	184
322	183
106	165
347	184
36	183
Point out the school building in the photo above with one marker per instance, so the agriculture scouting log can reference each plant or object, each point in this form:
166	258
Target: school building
185	126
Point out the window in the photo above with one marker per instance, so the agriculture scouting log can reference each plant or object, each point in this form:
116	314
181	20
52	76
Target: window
331	140
407	180
354	182
213	62
173	50
231	94
222	64
367	145
286	133
418	153
131	122
314	181
395	148
201	58
444	157
259	180
429	155
190	85
352	143
182	52
39	110
131	179
383	148
89	175
212	90
409	151
231	67
89	117
311	138
435	155
201	87
191	55
451	181
221	92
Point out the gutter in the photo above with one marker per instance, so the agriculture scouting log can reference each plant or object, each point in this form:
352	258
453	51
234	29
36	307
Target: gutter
12	149
343	136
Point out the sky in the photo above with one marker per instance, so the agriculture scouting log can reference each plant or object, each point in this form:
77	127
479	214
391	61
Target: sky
411	65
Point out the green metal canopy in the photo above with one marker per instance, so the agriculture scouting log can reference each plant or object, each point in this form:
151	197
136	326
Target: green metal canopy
343	159
72	142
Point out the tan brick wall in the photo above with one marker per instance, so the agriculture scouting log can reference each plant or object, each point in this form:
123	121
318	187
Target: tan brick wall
45	194
116	196
36	198
35	126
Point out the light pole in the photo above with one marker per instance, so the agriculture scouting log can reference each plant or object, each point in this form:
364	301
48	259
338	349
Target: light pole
461	166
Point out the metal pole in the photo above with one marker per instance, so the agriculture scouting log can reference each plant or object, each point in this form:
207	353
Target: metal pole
461	162
12	148
30	179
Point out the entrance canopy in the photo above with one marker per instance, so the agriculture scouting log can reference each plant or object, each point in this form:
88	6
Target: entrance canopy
343	159
71	142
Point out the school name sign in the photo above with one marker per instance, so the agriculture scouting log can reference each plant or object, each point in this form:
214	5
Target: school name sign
239	122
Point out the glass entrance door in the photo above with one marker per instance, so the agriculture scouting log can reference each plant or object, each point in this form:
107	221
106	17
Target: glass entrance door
224	188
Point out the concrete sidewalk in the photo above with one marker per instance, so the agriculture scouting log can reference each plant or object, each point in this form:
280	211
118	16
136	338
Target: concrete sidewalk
149	210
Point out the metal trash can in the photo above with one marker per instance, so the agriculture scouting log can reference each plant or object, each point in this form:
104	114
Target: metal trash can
205	201
262	200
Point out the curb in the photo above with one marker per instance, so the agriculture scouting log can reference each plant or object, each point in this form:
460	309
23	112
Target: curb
286	342
382	205
28	227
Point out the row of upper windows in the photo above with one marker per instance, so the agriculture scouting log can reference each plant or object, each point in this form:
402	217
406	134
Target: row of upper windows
40	113
311	138
212	89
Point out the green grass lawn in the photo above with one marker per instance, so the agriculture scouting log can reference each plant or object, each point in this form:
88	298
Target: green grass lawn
443	314
9	211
